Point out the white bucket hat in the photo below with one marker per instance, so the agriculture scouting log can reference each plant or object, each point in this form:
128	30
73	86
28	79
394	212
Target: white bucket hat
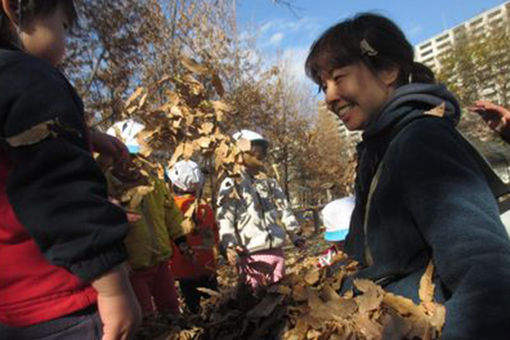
249	135
127	130
336	216
187	176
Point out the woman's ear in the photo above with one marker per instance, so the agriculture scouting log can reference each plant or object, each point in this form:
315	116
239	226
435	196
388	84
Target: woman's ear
12	10
389	76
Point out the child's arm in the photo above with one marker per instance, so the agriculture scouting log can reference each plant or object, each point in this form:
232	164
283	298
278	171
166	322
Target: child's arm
55	187
287	216
117	304
226	216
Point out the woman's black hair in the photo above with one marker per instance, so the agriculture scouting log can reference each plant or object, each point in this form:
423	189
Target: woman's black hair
370	39
32	8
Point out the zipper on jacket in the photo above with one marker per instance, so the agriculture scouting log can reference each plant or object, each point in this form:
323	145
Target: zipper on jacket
151	230
373	185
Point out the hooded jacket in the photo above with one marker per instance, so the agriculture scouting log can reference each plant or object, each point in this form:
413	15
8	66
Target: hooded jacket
58	231
149	240
203	240
431	202
248	214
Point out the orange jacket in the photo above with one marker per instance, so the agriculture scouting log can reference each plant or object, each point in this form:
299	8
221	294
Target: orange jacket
203	240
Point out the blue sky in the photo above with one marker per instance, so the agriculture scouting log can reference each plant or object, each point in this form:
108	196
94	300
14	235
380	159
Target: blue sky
291	34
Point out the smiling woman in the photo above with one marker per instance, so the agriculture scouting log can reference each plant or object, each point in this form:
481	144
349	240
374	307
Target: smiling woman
420	196
359	75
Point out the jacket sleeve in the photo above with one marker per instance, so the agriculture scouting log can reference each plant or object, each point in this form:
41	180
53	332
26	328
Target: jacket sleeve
283	206
55	187
226	214
173	217
455	211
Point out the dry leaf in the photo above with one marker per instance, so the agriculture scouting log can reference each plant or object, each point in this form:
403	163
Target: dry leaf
33	135
437	111
312	276
218	86
134	96
193	66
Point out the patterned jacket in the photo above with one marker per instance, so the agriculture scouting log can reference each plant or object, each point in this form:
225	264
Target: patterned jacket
249	213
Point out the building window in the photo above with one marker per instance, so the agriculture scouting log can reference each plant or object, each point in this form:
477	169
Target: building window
429	61
424	46
493	14
426	53
442	38
476	22
444	45
497	22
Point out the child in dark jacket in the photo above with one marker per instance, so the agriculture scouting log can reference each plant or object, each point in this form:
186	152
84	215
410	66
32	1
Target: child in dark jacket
187	181
61	241
420	195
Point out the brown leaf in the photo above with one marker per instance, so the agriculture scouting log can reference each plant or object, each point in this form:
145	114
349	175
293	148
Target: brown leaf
266	306
369	328
33	135
221	106
244	145
218	86
312	276
204	142
426	291
133	96
193	66
206	128
437	111
208	291
179	151
372	295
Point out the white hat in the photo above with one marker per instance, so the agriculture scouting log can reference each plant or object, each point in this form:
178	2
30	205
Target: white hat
336	216
249	135
186	175
128	130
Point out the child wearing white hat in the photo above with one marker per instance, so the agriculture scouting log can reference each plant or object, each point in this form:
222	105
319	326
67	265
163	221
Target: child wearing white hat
149	240
249	215
187	182
336	216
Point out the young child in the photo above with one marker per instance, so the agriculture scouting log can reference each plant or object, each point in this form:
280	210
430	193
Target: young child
187	182
61	241
336	216
248	213
140	191
420	195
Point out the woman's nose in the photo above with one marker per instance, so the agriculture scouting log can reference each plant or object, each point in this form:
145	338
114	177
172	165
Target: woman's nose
331	94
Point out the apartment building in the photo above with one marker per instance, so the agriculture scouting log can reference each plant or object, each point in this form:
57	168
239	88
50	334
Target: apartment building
430	51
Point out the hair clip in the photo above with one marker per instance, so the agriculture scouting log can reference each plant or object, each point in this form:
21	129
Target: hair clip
366	49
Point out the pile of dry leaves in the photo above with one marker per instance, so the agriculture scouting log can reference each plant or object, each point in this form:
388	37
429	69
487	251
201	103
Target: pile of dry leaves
306	305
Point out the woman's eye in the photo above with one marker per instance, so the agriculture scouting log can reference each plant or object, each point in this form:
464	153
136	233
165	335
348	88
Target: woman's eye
338	77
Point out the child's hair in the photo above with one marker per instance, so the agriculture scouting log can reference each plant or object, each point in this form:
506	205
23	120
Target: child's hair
370	39
31	8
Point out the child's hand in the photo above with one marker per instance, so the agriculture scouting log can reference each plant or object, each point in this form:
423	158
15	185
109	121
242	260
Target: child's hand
186	250
297	241
233	254
117	305
132	216
110	146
